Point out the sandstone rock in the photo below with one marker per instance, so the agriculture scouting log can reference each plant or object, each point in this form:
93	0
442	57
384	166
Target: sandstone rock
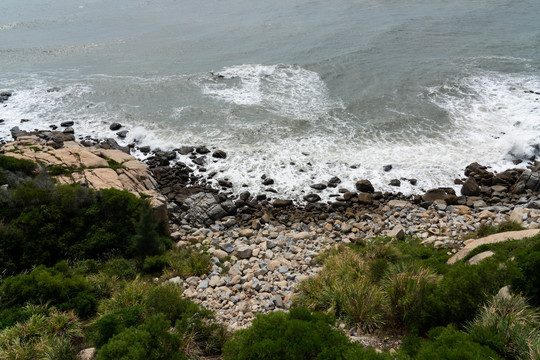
400	204
481	256
220	254
491	239
245	233
517	215
397	232
434	194
87	354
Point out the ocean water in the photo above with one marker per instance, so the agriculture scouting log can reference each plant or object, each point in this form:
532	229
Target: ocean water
297	90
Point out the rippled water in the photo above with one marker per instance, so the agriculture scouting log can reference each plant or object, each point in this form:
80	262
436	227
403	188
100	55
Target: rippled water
298	90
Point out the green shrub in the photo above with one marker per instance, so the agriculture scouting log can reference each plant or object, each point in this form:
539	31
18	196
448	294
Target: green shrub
189	262
509	326
450	344
120	268
528	278
49	335
111	324
154	264
56	286
24	166
408	288
294	335
151	340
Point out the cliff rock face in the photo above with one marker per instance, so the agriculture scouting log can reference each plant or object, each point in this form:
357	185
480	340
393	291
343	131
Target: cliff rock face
93	167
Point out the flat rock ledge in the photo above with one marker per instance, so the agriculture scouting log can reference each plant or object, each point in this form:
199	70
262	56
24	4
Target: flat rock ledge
96	168
470	245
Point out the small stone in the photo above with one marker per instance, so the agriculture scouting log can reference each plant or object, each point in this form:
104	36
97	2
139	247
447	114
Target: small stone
219	154
365	186
122	134
244	252
67	123
395	182
312	198
203	285
318	186
387	168
245	233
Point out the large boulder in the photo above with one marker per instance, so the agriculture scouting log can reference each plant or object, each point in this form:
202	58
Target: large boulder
470	187
203	209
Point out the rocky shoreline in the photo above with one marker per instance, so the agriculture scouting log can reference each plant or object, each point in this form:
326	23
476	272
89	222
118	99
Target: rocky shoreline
263	248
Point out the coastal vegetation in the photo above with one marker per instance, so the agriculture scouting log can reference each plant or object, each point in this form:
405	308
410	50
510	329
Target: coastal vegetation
84	268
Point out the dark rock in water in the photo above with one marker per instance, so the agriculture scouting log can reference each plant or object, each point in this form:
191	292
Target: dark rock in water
225	183
458	182
282	203
220	154
433	194
115	126
122	134
364	186
4	96
348	195
185	150
112	144
244	196
67	123
144	149
528	180
312	198
202	150
2	121
470	187
69	130
387	168
395	182
272	190
260	197
200	160
451	199
87	143
54	127
517	161
333	182
268	181
229	207
170	155
24	120
413	181
318	186
53	89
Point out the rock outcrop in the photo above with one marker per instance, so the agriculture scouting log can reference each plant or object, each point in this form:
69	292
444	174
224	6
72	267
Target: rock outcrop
94	167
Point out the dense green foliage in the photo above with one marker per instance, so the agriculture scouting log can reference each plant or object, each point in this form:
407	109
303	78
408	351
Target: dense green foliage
55	286
42	224
296	335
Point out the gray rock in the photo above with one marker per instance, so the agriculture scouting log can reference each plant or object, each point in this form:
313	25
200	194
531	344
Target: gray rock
67	123
244	252
395	182
228	248
203	285
534	204
122	134
312	198
283	269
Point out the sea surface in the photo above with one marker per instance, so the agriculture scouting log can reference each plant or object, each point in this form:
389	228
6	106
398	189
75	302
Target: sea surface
297	90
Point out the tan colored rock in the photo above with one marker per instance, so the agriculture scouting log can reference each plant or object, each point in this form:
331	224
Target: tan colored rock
492	239
479	257
517	215
87	354
400	203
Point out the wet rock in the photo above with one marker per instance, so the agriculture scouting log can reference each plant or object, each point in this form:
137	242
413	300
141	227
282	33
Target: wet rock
201	160
312	198
282	203
434	194
268	181
395	182
53	89
470	187
219	154
365	198
387	168
67	123
112	144
364	186
318	186
115	126
4	96
122	134
69	130
186	150
225	183
202	150
144	149
334	182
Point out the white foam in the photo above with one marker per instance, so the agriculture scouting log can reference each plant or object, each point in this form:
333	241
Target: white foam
286	90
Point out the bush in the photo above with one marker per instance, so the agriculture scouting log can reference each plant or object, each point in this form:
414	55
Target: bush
41	224
408	288
155	264
151	340
528	279
46	334
56	286
450	344
509	326
189	262
24	166
294	335
111	324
